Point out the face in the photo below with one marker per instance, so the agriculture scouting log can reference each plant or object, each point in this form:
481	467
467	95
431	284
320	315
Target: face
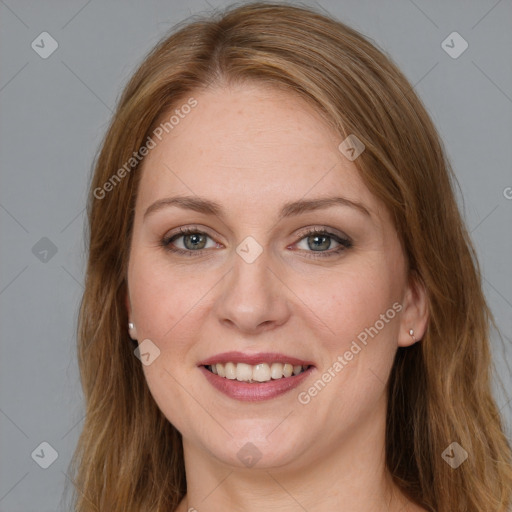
254	279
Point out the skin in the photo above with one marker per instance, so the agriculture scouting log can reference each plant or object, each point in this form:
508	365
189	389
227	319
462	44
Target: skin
252	148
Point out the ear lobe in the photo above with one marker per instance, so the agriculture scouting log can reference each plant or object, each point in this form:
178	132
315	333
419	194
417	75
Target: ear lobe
416	312
131	327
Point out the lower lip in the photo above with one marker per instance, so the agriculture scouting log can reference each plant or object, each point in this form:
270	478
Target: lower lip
254	392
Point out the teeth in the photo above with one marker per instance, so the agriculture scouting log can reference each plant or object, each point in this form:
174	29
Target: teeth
276	370
255	373
261	372
220	370
230	369
287	370
243	371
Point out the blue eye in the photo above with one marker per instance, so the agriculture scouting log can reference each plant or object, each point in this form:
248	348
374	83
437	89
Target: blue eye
194	241
317	240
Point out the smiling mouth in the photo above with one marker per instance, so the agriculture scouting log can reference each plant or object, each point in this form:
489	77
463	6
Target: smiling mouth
257	373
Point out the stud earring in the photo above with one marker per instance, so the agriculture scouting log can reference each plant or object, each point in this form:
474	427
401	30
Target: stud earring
130	325
411	332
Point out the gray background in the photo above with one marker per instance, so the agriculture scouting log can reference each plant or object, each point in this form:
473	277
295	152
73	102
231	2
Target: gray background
54	113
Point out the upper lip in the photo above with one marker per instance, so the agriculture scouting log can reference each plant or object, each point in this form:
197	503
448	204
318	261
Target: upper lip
252	359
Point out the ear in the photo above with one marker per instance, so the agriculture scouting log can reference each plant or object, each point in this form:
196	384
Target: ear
415	311
133	331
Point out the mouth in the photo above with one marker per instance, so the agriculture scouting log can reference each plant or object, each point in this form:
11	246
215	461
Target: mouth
262	372
255	377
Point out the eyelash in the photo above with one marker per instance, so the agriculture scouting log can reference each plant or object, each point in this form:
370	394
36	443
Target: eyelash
345	243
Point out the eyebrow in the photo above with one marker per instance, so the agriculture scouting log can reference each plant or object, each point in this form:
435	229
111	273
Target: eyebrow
208	207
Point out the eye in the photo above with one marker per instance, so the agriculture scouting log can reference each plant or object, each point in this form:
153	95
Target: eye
319	240
193	241
315	240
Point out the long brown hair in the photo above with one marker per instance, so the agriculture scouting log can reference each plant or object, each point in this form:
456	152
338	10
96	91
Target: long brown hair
129	457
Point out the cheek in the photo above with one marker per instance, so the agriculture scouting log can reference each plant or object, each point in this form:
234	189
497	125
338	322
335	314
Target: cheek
160	297
164	312
359	312
357	305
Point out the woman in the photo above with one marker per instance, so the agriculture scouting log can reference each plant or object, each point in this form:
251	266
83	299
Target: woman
273	223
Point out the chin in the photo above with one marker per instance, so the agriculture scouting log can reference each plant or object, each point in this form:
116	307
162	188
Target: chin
258	451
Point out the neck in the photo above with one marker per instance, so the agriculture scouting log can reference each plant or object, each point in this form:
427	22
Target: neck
350	476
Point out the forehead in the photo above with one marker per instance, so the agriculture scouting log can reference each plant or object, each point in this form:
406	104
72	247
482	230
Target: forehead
249	145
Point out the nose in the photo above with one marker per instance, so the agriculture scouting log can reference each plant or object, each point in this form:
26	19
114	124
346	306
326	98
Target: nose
254	297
